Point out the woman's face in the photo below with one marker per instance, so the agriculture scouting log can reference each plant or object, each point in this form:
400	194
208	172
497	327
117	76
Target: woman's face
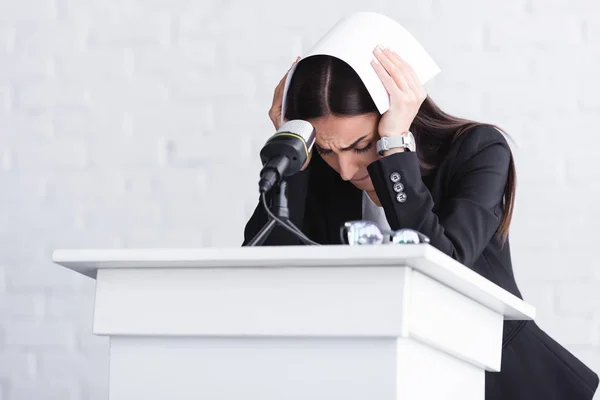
348	145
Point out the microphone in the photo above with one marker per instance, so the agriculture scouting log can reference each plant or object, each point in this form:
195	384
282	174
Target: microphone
285	152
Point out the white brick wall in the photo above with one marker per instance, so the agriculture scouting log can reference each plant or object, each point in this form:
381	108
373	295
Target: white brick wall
112	115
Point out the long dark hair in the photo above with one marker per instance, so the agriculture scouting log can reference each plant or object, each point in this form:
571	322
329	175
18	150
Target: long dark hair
324	85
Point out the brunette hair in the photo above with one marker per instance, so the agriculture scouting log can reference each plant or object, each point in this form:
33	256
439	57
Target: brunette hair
324	85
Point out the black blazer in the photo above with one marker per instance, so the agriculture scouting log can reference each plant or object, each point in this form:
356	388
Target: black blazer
459	209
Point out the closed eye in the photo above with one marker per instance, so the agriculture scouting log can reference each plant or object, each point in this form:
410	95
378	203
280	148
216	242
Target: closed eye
323	152
364	149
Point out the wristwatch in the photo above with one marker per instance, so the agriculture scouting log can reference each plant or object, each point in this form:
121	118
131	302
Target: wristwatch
406	141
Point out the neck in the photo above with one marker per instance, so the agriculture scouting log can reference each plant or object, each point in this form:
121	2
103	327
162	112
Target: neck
373	196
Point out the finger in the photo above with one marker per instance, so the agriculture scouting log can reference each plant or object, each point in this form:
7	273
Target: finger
291	66
405	70
392	69
412	80
281	83
279	89
388	82
402	65
277	103
415	82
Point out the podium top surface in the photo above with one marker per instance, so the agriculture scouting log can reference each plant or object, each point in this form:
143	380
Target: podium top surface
421	257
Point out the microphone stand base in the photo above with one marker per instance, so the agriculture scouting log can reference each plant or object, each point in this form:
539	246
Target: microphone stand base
264	233
280	209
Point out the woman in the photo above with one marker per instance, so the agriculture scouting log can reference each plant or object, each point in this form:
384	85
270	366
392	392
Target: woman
457	188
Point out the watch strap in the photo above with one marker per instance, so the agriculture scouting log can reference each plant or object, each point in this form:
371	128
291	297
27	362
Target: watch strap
392	142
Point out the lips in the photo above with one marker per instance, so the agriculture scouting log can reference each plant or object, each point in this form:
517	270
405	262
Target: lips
361	179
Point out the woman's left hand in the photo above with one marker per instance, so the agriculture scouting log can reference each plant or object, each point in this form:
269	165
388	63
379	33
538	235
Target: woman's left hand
405	90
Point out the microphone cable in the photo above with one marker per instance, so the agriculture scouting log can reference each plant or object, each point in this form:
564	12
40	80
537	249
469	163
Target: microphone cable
289	227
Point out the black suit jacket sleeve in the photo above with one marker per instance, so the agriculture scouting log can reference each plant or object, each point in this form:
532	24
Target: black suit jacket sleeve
464	223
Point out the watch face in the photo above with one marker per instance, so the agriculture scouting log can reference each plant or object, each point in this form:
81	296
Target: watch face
411	142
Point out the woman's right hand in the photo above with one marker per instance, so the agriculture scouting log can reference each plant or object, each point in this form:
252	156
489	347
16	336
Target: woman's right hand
275	111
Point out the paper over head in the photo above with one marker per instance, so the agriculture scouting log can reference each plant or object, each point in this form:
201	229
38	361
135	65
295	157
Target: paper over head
353	40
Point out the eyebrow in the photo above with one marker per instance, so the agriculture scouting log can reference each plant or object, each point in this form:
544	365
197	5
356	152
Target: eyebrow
353	145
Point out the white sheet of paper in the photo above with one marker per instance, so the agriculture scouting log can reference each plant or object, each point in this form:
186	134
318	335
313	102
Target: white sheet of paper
353	40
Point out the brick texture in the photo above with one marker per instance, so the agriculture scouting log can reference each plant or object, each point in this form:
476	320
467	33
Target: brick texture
138	123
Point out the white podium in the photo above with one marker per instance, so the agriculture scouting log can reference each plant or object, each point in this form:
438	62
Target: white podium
295	323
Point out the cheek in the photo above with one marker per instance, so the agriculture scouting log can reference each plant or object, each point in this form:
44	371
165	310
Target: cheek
368	157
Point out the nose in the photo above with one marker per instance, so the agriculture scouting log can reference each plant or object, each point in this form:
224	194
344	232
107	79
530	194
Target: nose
348	168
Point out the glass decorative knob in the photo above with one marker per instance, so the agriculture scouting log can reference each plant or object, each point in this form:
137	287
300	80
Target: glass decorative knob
361	233
408	236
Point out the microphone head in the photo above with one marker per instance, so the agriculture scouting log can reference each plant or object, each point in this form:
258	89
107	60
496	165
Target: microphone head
293	140
301	128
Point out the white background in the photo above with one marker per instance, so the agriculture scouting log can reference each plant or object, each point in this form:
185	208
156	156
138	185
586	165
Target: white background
137	123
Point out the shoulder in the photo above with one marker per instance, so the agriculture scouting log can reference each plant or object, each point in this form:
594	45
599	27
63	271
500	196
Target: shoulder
480	138
483	144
